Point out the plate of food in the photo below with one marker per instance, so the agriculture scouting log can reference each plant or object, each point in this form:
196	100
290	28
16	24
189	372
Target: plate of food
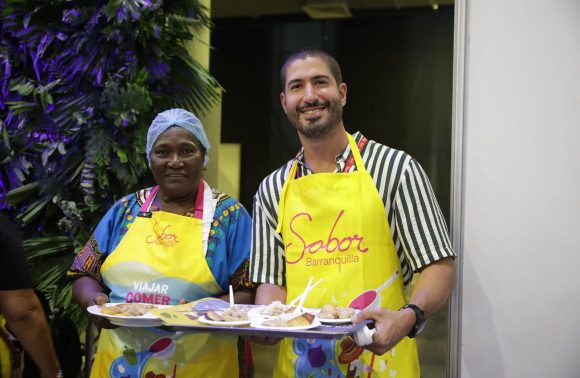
128	311
331	314
272	310
234	316
284	322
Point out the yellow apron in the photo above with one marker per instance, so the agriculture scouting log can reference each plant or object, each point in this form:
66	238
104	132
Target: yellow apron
334	227
161	260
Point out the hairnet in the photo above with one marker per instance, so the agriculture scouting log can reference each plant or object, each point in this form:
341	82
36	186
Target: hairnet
181	118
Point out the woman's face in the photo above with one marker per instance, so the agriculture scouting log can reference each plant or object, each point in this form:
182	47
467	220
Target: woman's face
177	163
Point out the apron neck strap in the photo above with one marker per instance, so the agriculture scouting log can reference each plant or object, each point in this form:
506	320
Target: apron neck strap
149	199
198	199
355	153
292	174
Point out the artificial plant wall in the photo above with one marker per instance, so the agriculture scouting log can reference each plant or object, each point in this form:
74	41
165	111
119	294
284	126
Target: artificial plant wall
80	81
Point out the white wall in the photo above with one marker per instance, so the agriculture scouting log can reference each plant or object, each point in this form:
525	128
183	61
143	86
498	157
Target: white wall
521	169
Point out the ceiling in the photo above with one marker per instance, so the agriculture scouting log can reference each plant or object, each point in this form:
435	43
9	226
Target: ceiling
317	9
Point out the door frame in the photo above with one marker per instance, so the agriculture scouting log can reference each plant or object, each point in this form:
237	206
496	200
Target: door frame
460	45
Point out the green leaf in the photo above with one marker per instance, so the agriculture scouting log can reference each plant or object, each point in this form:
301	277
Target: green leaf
61	148
47	246
15	196
122	156
32	211
24	88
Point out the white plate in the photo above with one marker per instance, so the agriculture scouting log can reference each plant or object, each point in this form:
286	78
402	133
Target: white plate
256	313
336	321
205	320
146	323
315	323
96	310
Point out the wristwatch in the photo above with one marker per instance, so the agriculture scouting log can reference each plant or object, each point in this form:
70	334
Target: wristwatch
420	323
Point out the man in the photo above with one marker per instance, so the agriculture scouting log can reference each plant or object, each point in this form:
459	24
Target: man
356	213
20	305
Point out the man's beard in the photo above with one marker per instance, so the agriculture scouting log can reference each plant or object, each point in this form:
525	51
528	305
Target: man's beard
317	128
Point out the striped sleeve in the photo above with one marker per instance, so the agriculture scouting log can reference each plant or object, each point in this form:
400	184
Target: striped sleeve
267	261
386	166
421	228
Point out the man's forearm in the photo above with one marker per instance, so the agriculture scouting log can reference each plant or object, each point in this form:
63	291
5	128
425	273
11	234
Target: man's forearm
267	293
434	285
240	297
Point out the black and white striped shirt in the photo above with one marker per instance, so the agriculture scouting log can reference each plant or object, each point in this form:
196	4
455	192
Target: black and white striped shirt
417	224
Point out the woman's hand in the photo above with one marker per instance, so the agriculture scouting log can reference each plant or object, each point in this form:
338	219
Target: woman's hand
89	292
102	322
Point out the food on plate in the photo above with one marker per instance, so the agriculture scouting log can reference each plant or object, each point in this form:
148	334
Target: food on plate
212	315
233	314
302	320
127	309
276	308
330	311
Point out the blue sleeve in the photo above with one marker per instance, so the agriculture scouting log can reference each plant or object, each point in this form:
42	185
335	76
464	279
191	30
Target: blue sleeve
104	239
229	245
239	237
113	226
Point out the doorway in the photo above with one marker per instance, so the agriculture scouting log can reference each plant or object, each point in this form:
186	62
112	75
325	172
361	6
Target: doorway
398	65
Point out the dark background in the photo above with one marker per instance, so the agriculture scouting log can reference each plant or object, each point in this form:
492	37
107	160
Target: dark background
397	66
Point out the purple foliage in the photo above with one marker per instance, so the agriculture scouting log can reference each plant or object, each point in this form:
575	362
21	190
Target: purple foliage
70	16
84	78
158	69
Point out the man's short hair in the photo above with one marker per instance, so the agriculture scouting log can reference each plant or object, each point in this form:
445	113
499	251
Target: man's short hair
311	52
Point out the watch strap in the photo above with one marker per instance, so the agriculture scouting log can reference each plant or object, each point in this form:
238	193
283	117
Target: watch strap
419	323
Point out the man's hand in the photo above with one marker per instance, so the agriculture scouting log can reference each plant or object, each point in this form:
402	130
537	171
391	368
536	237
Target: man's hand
390	326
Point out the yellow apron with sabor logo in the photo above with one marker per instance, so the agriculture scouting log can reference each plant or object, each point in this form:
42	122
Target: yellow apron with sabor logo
161	260
334	227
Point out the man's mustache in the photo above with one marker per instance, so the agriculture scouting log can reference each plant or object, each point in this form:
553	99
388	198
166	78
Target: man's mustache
314	104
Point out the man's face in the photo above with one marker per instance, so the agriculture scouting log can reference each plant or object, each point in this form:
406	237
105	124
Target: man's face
312	99
177	163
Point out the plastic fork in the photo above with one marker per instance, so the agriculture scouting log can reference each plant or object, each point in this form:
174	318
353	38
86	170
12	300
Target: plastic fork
304	295
307	290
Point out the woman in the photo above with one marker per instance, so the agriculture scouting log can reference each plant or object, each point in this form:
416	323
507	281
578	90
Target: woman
179	240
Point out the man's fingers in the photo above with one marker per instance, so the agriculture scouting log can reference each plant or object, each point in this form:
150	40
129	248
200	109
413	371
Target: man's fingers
366	314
